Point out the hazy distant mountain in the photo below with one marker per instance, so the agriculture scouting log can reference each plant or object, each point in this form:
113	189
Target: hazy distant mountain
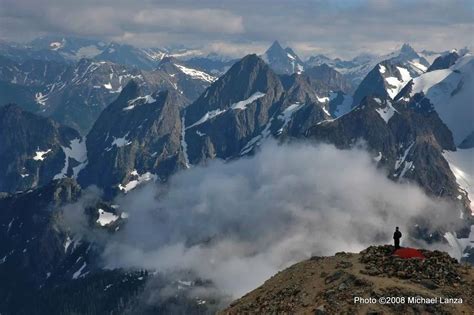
283	61
356	69
75	93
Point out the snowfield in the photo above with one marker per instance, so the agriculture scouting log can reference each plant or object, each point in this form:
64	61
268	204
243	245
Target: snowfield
461	163
105	218
450	92
196	74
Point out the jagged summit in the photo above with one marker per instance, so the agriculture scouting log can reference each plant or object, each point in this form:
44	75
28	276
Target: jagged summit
328	285
247	76
444	61
275	45
407	48
168	59
283	60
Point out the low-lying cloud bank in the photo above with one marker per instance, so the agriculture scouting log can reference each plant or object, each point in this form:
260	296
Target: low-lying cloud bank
238	223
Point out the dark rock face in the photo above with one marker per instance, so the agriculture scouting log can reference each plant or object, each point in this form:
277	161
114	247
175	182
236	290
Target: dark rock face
25	82
244	78
31	72
214	128
332	78
468	142
55	272
375	83
86	88
31	244
137	135
32	149
406	140
444	62
244	106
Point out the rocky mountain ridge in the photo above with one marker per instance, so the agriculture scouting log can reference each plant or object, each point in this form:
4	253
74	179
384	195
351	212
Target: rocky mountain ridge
75	94
35	150
337	284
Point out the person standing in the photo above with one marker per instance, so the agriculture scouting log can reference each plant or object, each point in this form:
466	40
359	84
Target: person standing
396	238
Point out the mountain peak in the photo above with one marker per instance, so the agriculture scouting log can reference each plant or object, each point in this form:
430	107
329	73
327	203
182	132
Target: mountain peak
275	46
131	86
130	91
283	61
444	61
407	49
168	59
251	59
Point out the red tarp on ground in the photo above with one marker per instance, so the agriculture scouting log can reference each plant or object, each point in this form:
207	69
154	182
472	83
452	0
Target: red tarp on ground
408	252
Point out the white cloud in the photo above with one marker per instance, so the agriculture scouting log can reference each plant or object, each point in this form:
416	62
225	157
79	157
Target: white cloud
190	20
338	28
238	223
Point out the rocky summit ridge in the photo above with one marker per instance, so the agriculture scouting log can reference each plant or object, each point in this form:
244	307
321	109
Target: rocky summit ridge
355	283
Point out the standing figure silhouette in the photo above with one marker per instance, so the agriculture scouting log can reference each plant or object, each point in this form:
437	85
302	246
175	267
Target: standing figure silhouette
396	238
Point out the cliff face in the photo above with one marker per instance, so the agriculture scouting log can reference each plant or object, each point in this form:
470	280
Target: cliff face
337	285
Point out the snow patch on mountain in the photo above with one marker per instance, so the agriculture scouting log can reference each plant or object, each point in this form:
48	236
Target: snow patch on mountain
450	93
40	155
105	218
56	45
461	163
403	157
386	112
416	64
243	104
424	82
322	99
286	115
77	151
147	99
41	99
196	74
78	273
209	115
408	166
145	177
184	145
405	75
119	142
258	139
396	84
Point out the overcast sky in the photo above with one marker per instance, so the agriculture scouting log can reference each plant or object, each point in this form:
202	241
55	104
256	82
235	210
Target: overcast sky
337	28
